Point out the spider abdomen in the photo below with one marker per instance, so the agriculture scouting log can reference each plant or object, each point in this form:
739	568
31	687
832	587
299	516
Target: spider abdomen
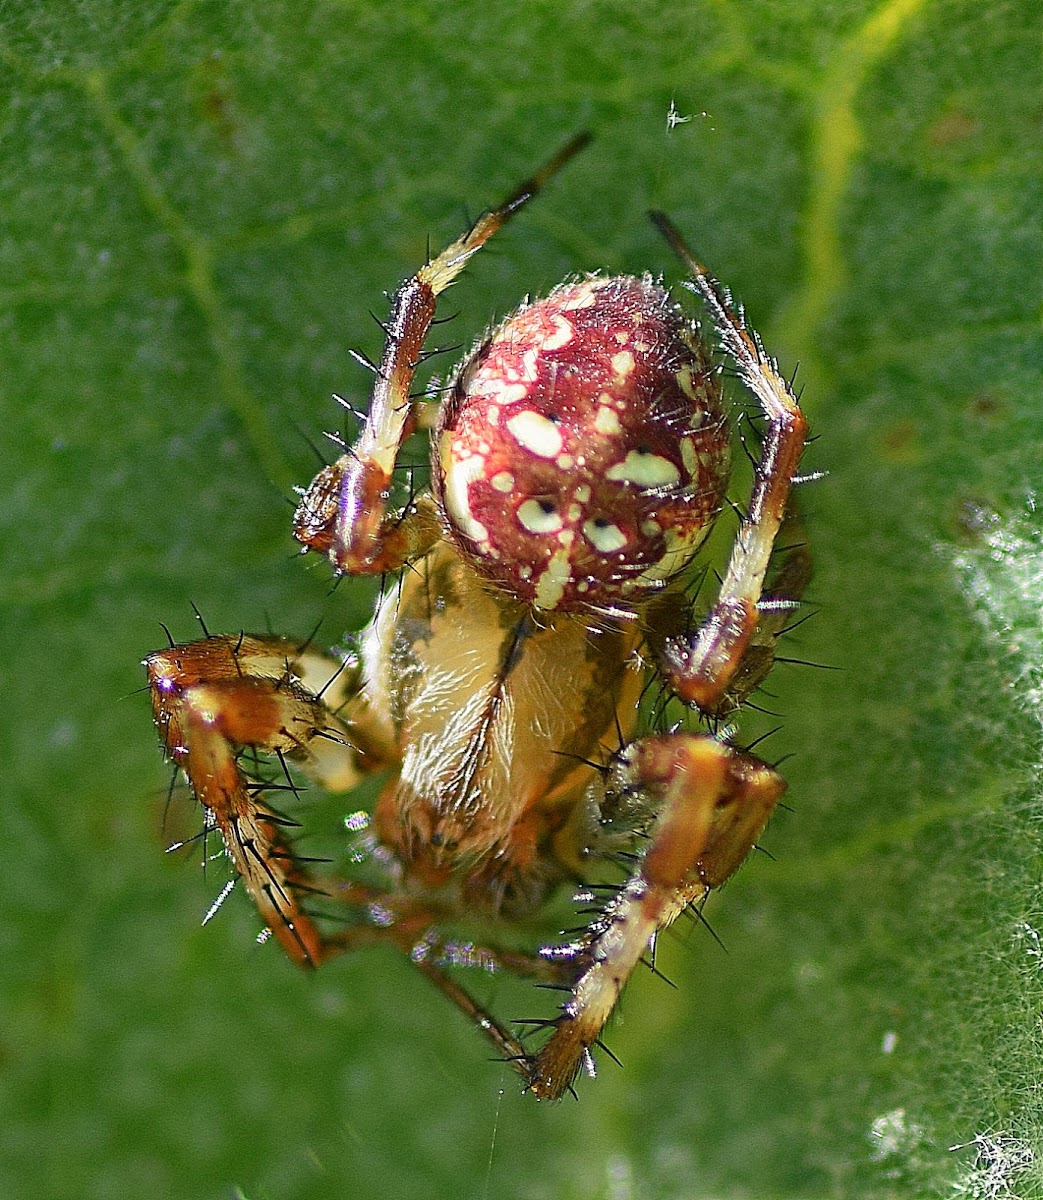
583	452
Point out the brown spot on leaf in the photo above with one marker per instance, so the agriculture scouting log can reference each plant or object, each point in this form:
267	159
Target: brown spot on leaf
950	127
900	442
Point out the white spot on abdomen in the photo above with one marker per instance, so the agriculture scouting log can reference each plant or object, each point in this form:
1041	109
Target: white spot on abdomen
459	475
550	587
604	536
562	335
623	363
644	469
536	519
583	296
606	421
535	433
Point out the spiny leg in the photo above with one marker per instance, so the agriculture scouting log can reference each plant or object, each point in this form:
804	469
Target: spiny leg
433	954
344	513
777	608
212	699
714	801
779	602
445	952
509	1047
700	667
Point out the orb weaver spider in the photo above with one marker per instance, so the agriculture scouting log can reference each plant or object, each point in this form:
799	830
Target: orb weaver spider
579	458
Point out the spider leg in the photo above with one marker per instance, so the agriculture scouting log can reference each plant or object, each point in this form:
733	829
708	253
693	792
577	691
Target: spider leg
451	952
432	954
212	699
509	1047
780	597
713	802
701	666
779	600
344	513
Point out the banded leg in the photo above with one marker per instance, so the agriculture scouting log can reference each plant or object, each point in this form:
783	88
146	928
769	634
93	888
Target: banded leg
213	698
714	802
700	667
344	513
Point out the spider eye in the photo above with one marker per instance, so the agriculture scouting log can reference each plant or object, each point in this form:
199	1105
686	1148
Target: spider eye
582	453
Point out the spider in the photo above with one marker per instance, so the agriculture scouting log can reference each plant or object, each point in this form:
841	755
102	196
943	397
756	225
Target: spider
579	458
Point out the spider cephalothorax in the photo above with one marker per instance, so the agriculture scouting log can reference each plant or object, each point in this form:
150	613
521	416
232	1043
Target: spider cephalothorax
579	459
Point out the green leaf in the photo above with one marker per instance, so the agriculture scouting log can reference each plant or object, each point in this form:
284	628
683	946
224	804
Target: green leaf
201	203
